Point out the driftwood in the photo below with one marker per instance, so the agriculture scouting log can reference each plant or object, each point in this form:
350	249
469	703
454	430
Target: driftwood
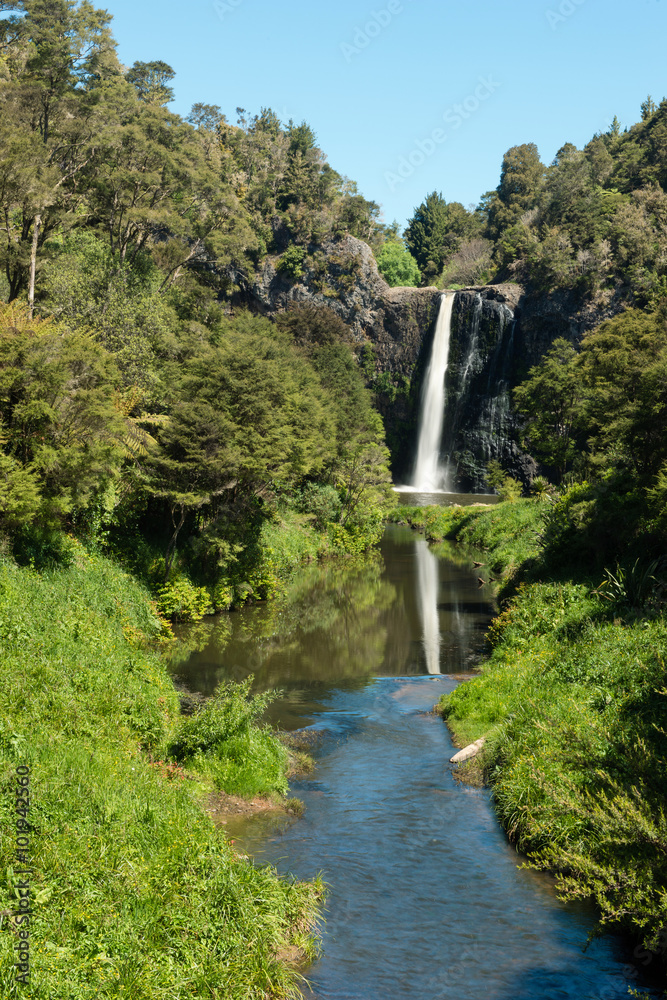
470	751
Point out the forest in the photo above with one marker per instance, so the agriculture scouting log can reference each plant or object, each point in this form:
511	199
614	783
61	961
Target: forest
142	408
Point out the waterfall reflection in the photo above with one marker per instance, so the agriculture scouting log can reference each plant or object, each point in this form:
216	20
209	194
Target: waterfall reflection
427	599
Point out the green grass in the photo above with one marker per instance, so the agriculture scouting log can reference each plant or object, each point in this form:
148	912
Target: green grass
509	532
135	893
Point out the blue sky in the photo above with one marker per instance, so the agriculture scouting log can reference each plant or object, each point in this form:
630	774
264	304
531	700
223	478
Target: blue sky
411	96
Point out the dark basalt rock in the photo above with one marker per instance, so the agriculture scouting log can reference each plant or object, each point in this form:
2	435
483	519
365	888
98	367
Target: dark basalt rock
498	333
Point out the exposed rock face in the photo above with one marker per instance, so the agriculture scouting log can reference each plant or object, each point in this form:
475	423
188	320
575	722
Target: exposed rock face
343	275
498	333
479	425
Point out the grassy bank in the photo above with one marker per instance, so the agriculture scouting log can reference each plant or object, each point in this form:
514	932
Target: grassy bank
134	893
573	702
258	566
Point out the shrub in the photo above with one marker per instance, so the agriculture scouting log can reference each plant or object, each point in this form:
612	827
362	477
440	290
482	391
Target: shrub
510	490
222	739
495	474
291	262
323	501
44	547
397	265
181	601
541	488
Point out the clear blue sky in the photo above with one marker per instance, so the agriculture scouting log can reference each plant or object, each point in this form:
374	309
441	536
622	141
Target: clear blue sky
374	80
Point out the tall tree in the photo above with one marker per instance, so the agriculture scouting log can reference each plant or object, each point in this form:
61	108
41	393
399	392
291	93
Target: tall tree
150	80
61	53
436	231
520	182
425	235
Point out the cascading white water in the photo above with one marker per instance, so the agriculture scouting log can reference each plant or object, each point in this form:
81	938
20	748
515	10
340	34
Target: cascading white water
427	596
430	476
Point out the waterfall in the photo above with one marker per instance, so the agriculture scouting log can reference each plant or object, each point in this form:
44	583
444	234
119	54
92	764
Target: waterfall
430	476
427	595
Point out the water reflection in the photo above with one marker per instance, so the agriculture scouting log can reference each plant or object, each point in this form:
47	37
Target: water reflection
428	578
406	612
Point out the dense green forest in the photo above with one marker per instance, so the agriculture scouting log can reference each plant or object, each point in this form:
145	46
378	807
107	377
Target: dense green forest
138	412
594	221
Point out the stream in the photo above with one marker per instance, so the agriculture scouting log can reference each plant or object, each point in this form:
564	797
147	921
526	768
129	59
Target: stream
426	898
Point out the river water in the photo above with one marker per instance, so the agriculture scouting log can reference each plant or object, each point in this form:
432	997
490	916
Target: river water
426	899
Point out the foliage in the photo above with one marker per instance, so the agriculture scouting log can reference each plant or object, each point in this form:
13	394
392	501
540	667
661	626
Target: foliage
150	79
541	488
223	739
630	587
606	405
180	601
436	232
61	430
471	264
291	262
520	180
510	489
397	265
126	852
323	501
551	397
495	474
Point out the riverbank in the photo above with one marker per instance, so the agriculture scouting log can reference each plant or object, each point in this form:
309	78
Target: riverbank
571	700
133	890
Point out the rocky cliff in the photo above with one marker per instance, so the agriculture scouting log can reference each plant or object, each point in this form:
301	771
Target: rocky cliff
498	333
343	275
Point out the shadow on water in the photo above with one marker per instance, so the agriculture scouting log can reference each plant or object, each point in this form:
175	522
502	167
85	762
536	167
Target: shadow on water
426	897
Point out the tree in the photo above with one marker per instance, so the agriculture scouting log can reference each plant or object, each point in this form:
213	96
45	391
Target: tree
150	81
57	409
520	183
609	400
61	53
648	108
436	232
250	417
623	367
143	178
397	265
552	398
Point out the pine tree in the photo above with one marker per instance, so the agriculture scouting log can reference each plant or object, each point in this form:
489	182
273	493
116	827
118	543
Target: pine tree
520	182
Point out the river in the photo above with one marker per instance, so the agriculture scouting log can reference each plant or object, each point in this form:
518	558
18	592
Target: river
426	897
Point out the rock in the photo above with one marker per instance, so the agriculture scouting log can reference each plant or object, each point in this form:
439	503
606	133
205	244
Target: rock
468	752
343	275
498	333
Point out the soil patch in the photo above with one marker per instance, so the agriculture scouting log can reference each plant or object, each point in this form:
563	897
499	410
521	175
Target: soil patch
221	807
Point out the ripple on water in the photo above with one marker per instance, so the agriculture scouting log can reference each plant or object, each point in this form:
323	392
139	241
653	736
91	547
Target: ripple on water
426	899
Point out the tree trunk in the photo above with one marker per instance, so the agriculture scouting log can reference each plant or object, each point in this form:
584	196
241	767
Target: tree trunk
33	264
171	548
